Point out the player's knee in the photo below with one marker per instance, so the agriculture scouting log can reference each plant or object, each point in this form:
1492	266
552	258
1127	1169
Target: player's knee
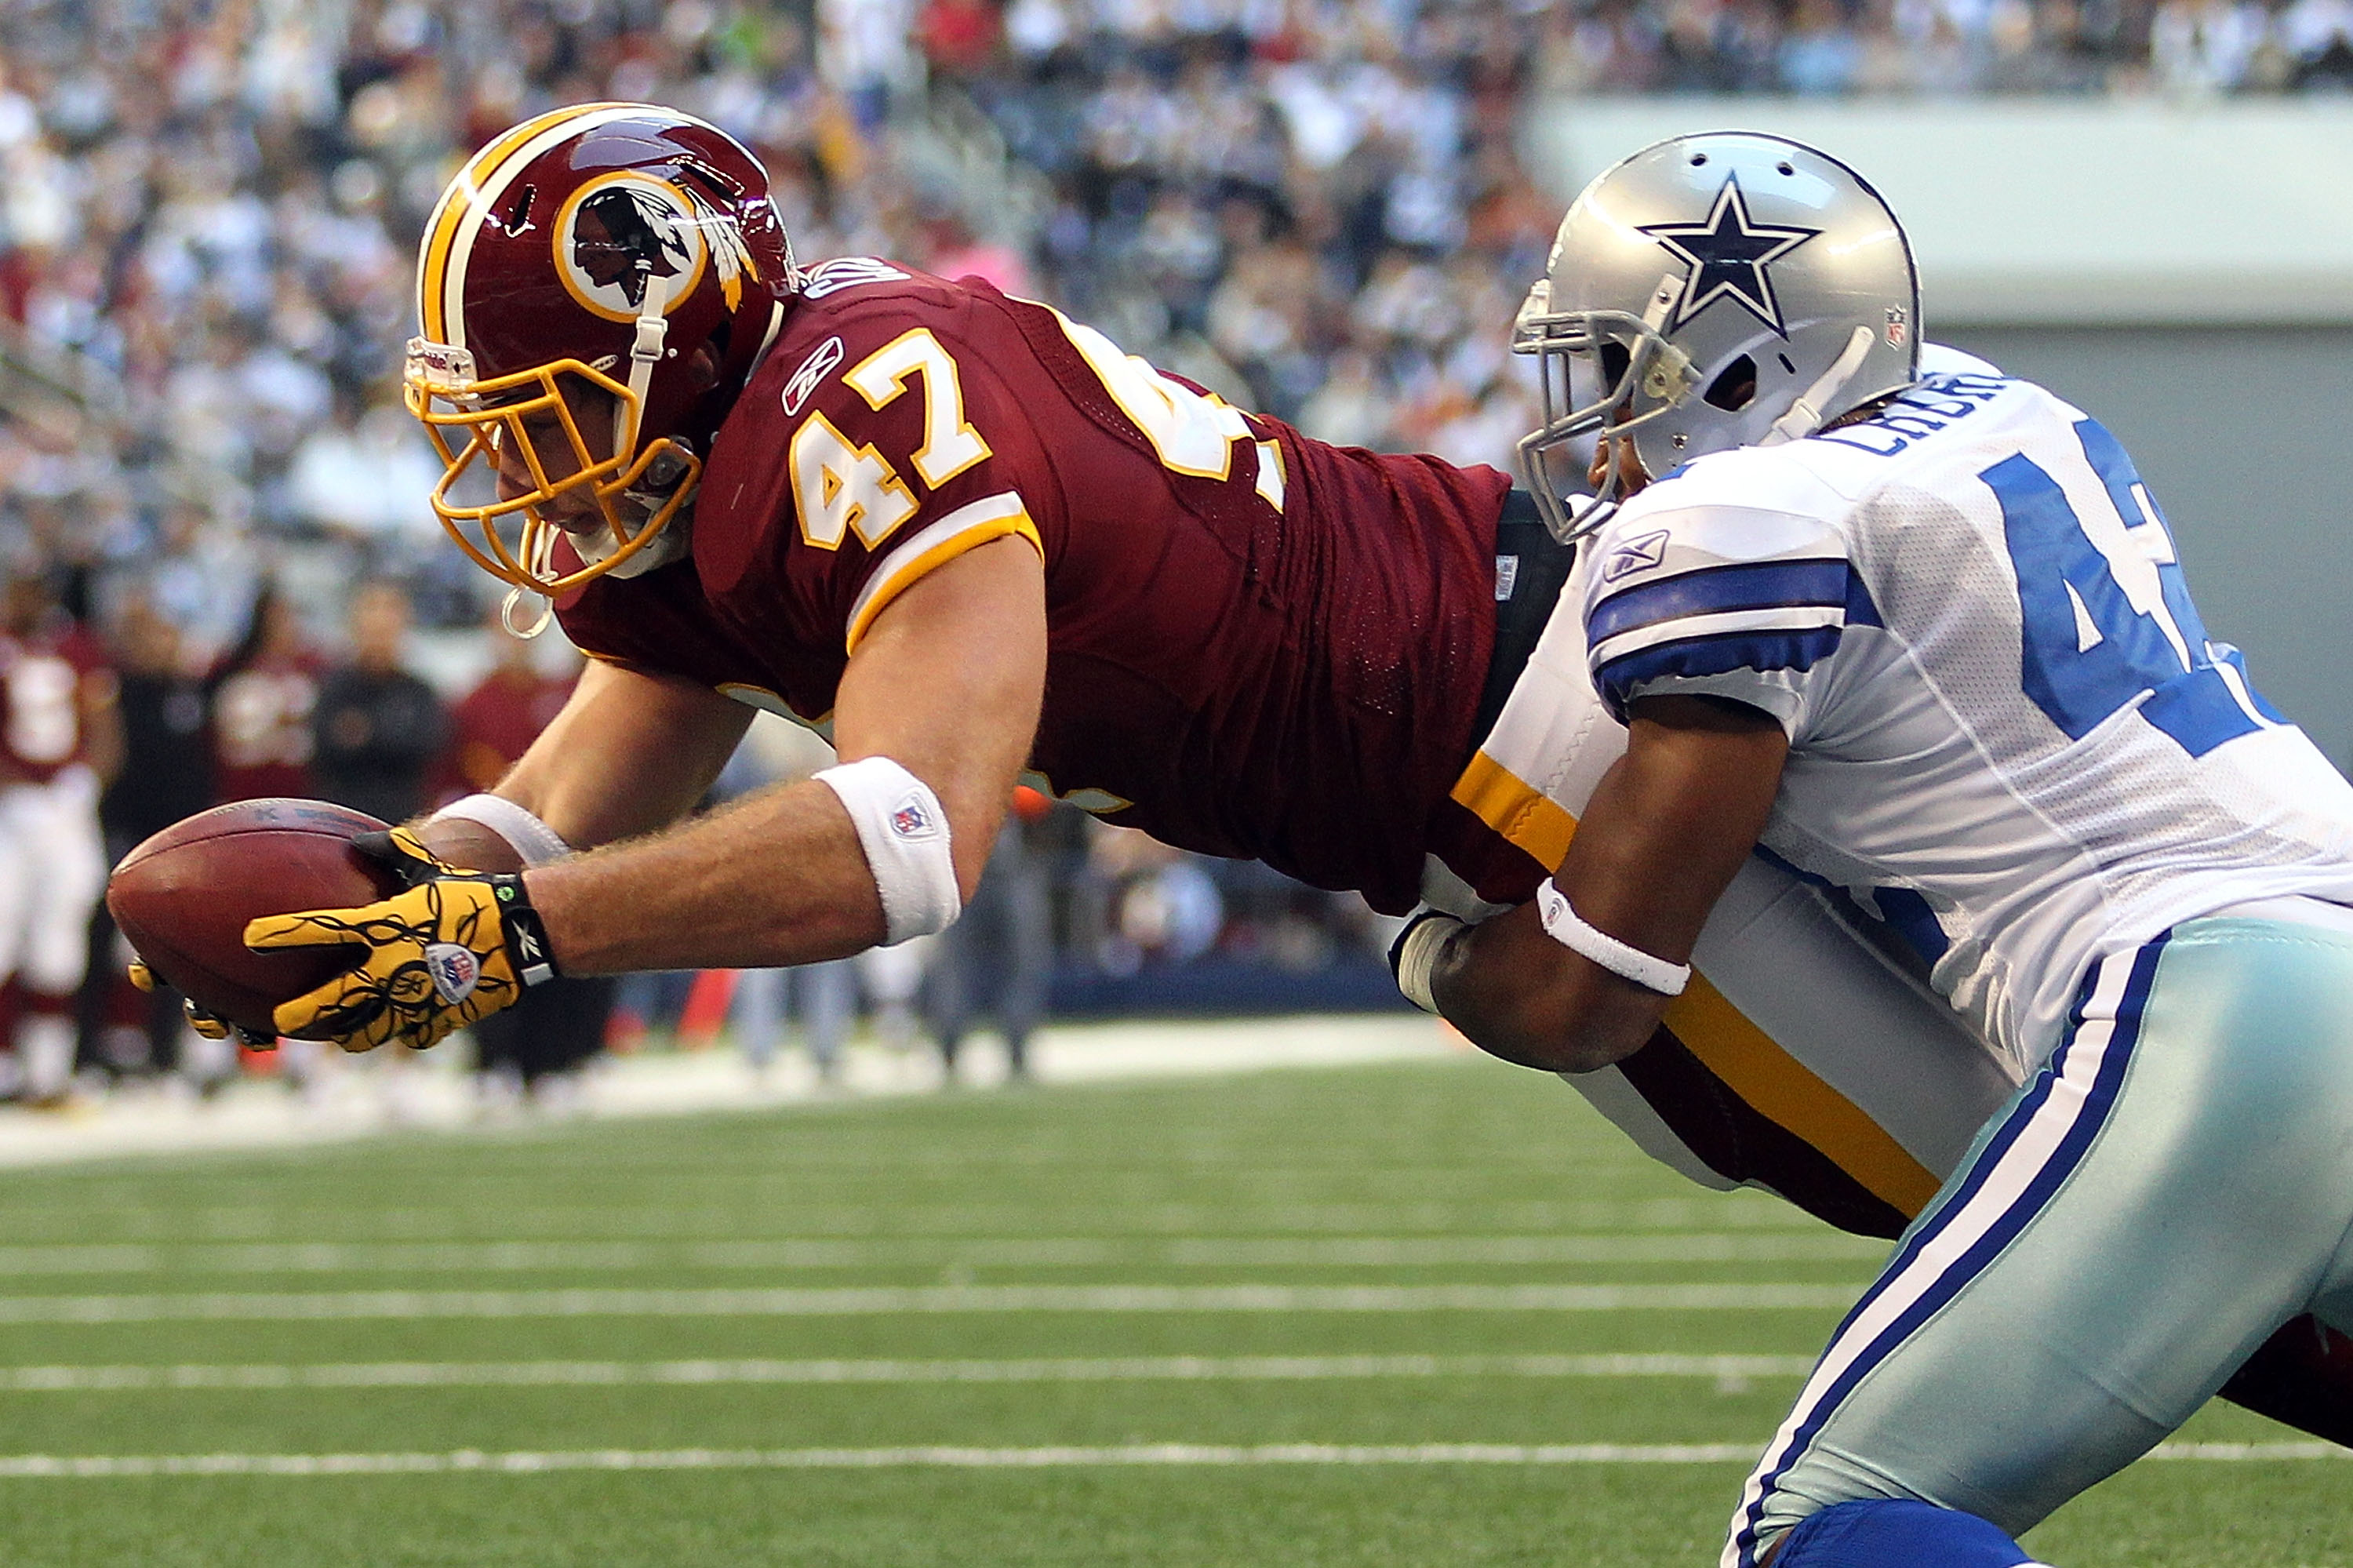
1889	1533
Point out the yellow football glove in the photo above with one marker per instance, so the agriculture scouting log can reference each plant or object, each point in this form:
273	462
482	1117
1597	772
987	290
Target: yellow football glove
455	947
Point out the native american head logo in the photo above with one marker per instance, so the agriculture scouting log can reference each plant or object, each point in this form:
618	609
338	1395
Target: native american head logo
629	239
625	237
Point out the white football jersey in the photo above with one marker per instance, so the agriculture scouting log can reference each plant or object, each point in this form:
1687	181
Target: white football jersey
2010	734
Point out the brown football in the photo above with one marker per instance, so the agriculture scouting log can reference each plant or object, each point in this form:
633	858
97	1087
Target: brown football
183	898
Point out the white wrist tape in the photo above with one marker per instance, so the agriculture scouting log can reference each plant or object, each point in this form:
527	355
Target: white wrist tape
534	840
906	835
1417	955
1564	926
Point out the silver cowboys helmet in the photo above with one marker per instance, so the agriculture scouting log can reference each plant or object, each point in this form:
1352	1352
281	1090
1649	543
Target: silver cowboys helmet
1710	292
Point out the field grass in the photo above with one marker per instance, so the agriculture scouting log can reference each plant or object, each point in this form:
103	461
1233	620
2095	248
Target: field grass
849	1333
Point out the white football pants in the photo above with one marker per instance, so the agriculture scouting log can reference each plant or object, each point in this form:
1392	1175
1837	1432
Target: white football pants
52	869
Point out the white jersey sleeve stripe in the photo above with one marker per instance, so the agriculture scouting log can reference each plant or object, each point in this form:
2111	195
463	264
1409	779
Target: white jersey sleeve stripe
1801	618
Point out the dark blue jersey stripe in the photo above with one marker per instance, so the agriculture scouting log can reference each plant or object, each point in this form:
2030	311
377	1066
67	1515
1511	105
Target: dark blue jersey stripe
1710	590
1692	657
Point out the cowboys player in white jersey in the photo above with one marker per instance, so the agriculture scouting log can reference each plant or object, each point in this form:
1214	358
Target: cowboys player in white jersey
1917	630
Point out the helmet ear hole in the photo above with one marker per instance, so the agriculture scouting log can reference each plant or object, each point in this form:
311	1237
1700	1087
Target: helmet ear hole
1735	387
1615	358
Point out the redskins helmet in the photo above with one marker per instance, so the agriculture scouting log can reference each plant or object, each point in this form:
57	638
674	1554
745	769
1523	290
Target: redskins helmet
602	246
1725	290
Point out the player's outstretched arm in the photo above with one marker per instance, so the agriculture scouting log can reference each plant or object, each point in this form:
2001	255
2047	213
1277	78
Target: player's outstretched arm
947	684
939	702
631	753
1663	834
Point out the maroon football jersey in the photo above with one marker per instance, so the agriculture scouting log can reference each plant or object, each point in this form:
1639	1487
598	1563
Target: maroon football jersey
42	678
261	727
494	724
1259	645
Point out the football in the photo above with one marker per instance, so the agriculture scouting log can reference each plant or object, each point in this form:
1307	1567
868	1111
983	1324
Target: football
183	898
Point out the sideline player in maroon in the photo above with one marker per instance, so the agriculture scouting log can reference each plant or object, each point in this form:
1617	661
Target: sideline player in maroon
263	693
60	743
963	537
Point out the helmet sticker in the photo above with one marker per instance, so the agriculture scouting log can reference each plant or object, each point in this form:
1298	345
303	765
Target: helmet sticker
628	237
1728	256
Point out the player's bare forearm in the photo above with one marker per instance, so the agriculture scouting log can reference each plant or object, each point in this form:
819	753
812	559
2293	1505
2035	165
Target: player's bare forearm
777	878
1666	830
631	753
947	684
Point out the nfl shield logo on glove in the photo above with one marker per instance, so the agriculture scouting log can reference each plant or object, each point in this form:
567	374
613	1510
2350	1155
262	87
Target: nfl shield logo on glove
455	970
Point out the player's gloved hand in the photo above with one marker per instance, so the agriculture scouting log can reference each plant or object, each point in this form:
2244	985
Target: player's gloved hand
211	1026
456	947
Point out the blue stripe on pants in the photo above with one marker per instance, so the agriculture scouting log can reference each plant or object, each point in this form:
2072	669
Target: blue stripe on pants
2027	1159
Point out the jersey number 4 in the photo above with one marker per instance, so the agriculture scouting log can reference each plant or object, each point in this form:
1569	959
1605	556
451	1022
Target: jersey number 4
840	487
2105	615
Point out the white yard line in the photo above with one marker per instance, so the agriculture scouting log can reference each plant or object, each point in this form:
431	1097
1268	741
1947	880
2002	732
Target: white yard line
791	1253
366	1096
733	1373
763	1205
468	1461
868	1301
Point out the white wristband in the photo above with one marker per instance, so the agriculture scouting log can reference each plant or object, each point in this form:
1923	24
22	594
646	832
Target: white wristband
534	840
1417	955
906	835
1564	926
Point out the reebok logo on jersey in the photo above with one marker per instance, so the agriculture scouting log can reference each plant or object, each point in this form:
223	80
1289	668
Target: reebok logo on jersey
1640	552
455	971
910	821
813	369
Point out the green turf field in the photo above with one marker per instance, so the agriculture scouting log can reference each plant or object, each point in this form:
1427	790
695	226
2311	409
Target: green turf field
1425	1314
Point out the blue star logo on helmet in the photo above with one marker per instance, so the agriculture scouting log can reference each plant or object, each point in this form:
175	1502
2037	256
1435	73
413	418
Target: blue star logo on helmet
1728	255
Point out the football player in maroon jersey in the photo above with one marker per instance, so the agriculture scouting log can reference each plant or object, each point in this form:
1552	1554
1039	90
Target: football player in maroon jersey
263	693
972	542
60	742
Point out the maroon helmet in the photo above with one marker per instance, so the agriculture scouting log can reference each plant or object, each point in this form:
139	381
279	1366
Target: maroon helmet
601	245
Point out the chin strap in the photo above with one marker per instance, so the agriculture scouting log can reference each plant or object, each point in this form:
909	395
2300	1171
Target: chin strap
1805	415
644	355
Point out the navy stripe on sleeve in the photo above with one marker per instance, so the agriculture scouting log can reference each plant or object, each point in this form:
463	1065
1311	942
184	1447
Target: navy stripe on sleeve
1712	591
1692	657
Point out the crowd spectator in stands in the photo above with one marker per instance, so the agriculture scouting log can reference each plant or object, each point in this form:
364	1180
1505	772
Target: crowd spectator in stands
555	1028
378	728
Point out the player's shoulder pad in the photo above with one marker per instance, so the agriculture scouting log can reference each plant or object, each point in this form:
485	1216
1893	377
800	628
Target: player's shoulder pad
851	308
1749	504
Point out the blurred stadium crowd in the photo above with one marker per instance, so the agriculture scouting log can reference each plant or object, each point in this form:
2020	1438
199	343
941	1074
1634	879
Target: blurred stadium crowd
207	209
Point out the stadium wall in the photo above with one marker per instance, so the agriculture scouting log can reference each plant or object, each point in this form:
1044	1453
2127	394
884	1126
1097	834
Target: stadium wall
2184	272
